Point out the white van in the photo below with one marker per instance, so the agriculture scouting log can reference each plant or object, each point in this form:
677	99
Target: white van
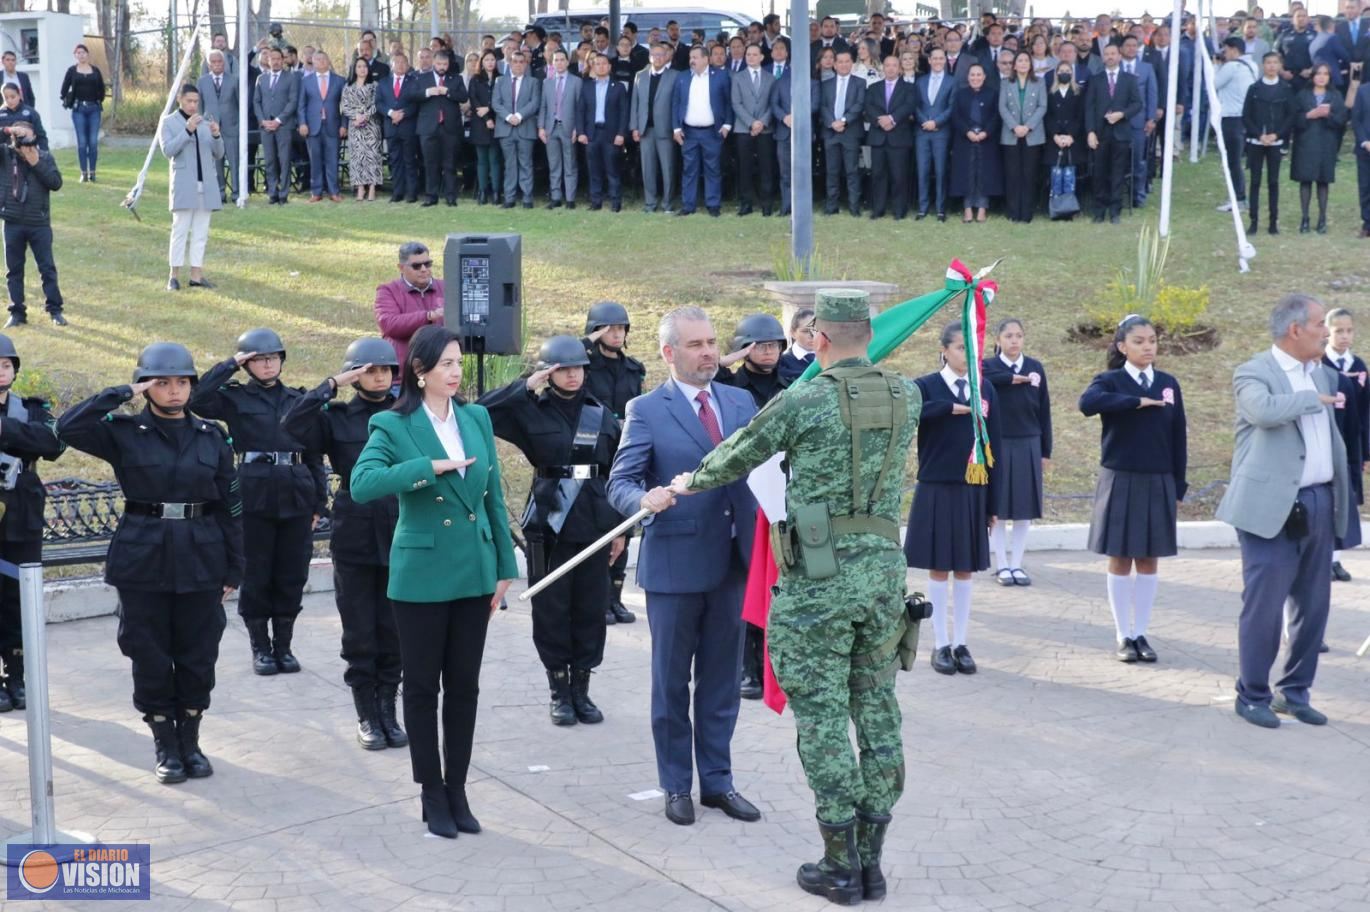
711	21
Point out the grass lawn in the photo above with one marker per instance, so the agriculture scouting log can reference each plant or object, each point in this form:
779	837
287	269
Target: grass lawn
310	271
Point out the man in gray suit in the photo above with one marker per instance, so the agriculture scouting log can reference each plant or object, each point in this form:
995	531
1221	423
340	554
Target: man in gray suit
517	99
1288	500
754	136
650	120
275	99
557	128
219	102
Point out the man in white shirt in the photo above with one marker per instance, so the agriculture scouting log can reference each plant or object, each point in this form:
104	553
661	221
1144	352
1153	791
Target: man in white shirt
700	110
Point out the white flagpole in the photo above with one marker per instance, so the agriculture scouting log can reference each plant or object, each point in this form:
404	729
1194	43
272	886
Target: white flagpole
1200	48
584	555
244	100
1172	93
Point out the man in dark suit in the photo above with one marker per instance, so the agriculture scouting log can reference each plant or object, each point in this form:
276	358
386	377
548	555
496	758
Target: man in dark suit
692	564
701	109
827	37
603	117
1158	55
877	31
1143	124
841	113
1111	101
274	100
680	50
438	97
1353	28
399	113
322	126
11	74
890	106
958	62
932	134
782	115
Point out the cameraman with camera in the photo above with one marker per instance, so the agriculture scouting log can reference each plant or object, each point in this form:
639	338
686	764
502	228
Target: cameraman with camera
27	175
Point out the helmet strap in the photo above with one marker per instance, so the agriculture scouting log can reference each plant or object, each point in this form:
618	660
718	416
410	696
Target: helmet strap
564	394
370	397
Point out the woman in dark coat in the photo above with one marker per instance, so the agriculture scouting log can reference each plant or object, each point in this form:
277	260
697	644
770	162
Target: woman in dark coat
482	89
977	169
1065	124
1318	127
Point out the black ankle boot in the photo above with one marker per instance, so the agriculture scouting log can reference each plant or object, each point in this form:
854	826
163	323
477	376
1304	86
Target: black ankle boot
461	809
14	677
616	607
436	812
870	842
1255	224
837	876
283	630
197	765
561	708
586	710
370	732
1303	225
1322	223
170	770
390	724
258	634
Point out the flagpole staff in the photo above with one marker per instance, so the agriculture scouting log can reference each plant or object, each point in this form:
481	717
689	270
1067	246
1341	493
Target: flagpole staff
584	555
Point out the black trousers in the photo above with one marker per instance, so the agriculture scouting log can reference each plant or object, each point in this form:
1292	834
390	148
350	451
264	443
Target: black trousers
276	554
606	167
440	152
11	626
1022	172
370	643
18	238
172	638
442	644
1234	138
843	159
890	170
1363	181
568	616
404	177
1265	158
755	169
754	651
1112	164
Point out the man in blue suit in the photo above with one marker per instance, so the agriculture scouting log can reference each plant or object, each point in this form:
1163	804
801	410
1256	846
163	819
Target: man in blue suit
399	116
692	563
1143	124
782	115
603	115
322	126
701	117
932	133
1158	55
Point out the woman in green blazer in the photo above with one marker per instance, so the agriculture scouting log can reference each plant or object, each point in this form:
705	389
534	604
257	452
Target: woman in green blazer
451	561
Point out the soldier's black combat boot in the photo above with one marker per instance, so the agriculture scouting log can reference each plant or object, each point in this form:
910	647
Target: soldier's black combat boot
370	732
586	710
263	662
14	677
561	709
870	841
283	630
838	875
6	703
170	769
616	607
390	724
196	764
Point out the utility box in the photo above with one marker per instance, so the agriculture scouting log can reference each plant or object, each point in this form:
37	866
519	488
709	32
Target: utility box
44	42
483	292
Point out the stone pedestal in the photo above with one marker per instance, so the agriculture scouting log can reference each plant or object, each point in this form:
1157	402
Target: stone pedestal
794	295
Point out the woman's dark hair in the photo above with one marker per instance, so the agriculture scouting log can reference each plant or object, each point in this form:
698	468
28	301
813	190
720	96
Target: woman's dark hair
949	334
1116	358
1032	73
425	351
1003	325
80	47
1331	81
370	74
486	74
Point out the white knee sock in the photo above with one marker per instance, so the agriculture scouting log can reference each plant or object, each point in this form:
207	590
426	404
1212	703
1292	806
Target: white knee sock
937	594
996	541
1019	544
961	593
1120	600
1143	597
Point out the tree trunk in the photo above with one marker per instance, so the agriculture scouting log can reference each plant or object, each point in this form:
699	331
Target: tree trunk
370	15
216	21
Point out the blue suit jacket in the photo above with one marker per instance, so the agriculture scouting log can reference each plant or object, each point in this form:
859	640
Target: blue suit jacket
387	102
311	106
938	109
616	106
782	101
1147	88
720	98
689	547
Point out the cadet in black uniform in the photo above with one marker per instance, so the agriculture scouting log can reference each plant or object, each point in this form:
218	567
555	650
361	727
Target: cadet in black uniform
570	439
284	492
26	435
362	533
178	550
612	377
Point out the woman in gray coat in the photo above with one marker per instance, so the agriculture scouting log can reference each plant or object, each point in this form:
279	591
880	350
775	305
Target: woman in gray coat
1022	108
194	147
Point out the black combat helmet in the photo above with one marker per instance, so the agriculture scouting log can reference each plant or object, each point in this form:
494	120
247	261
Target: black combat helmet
761	327
165	359
606	313
263	341
369	350
565	351
7	350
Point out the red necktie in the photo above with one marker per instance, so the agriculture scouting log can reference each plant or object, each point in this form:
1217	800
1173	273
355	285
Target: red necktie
323	93
708	419
397	88
438	79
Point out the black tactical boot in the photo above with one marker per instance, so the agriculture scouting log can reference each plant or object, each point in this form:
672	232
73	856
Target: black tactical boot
263	662
14	677
170	769
586	710
283	629
385	700
561	709
838	875
621	614
370	732
196	764
870	840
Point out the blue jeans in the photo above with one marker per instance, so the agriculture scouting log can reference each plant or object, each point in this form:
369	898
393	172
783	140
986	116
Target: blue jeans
85	118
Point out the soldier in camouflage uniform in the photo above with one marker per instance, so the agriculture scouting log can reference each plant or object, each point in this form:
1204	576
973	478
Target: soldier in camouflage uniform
838	612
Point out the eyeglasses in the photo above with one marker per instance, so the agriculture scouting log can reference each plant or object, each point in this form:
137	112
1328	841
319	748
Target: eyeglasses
422	264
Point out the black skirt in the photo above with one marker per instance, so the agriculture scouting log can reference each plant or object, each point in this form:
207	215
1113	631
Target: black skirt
1134	514
948	527
1019	492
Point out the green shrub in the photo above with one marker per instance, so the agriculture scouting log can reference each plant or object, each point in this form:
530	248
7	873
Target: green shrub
1178	309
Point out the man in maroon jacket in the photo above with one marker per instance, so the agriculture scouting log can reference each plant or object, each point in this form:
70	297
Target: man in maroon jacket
411	301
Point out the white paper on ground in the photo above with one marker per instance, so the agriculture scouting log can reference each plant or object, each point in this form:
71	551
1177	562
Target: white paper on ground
649	794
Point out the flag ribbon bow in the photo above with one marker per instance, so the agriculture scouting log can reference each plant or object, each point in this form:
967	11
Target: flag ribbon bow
978	294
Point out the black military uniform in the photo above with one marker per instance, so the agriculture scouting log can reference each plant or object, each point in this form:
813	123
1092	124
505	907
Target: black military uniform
178	546
570	441
284	488
612	378
26	435
359	544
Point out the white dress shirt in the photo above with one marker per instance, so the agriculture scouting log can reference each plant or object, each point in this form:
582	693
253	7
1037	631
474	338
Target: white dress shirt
799	351
839	98
1014	366
690	392
1343	361
950	377
1136	374
698	111
448	435
1316	429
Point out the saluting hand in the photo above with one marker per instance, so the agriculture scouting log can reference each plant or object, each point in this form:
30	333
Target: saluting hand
1020	379
597	334
142	386
537	378
730	359
443	466
348	377
242	358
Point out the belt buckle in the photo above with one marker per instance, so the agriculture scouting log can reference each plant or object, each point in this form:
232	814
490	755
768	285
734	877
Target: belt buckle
173	511
580	472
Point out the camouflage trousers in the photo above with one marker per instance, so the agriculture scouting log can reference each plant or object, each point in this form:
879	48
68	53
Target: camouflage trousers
833	645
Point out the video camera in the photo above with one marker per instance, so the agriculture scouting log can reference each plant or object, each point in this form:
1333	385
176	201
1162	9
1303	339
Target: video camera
22	138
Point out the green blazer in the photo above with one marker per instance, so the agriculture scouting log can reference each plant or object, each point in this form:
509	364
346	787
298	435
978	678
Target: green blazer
452	540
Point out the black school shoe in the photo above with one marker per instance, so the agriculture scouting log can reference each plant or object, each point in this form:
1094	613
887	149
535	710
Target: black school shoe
1144	651
1127	650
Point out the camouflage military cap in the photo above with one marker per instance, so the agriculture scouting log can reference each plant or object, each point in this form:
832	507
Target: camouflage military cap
842	305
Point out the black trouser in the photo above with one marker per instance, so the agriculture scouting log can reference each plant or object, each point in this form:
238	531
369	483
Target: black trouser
754	652
11	627
1260	157
440	163
399	148
843	157
755	169
1112	164
441	642
606	165
568	616
1234	137
370	645
276	554
18	238
173	640
1363	180
890	168
1022	164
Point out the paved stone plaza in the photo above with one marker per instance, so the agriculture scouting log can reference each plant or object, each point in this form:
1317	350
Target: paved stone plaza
1057	778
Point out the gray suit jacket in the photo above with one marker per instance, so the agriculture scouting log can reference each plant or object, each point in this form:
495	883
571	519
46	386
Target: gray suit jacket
570	96
221	105
194	187
1031	113
661	112
280	104
1269	453
526	106
750	104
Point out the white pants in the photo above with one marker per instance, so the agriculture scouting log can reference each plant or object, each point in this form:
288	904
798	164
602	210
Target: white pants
192	222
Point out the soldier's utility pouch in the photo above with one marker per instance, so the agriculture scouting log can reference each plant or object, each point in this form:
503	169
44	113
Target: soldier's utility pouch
814	538
782	545
916	610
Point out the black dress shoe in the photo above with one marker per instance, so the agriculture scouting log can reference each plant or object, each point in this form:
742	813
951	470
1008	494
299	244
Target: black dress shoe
1301	711
1274	227
1144	651
745	210
1263	716
829	210
617	207
508	205
407	199
855	211
173	284
1099	218
595	207
715	211
1303	225
785	212
527	204
1339	573
920	216
451	201
201	283
874	216
750	689
621	614
942	662
1323	647
1322	225
681	213
554	204
397	199
964	663
437	811
941	216
765	212
1115	219
732	804
680	810
21	320
609	617
1127	650
429	202
570	204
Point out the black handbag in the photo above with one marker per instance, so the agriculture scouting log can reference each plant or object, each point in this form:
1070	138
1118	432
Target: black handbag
1062	203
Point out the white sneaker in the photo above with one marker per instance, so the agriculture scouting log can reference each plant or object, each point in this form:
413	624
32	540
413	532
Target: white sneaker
1225	207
